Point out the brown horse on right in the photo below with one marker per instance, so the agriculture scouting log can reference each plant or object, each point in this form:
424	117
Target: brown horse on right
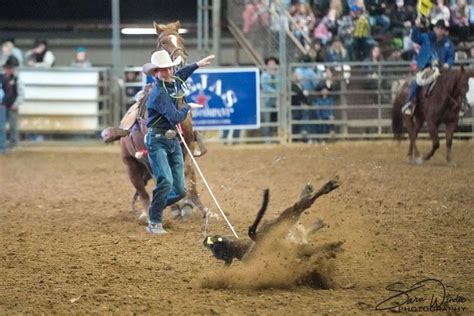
439	104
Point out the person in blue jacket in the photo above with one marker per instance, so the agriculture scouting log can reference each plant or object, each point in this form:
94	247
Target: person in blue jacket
162	140
436	50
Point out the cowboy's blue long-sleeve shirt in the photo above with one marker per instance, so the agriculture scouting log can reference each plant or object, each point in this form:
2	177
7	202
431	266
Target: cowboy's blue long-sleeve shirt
162	110
431	50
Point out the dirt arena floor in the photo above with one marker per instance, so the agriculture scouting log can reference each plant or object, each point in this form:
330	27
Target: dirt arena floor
69	242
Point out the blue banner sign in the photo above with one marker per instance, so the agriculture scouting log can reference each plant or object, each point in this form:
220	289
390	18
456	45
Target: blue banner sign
231	98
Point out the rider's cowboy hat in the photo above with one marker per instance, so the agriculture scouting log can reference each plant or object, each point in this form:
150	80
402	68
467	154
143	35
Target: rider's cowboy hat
441	23
160	59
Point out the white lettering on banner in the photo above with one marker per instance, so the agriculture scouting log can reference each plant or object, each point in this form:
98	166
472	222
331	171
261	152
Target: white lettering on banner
211	112
203	82
228	97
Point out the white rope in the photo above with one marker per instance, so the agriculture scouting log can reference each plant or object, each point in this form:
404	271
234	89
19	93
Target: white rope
205	182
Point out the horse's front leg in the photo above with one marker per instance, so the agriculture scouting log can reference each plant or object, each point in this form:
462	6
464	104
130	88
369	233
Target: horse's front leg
411	124
411	130
450	128
433	130
417	157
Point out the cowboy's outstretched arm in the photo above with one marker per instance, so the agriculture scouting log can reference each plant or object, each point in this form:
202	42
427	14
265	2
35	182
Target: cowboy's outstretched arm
186	71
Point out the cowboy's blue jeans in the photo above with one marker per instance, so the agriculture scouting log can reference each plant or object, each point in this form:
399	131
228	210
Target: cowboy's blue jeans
166	160
12	118
412	92
3	113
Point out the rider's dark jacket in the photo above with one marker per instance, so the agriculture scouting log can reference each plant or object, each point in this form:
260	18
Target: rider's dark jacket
162	102
432	51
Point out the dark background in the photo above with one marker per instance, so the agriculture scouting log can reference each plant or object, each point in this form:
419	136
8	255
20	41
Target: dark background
37	14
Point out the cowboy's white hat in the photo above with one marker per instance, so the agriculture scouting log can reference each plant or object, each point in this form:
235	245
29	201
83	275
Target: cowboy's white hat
160	59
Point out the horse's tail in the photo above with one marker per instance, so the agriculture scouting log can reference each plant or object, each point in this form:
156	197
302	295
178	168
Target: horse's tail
261	212
112	134
397	116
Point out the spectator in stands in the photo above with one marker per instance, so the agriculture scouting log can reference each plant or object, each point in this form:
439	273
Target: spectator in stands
132	76
437	50
9	49
377	15
337	6
298	98
40	56
325	110
440	12
254	12
374	58
460	20
340	6
13	95
316	54
304	17
269	83
307	76
81	61
327	79
471	16
337	53
376	54
327	28
361	34
395	55
408	49
16	52
345	32
399	14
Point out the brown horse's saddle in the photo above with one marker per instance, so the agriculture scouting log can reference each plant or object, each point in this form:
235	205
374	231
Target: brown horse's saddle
130	117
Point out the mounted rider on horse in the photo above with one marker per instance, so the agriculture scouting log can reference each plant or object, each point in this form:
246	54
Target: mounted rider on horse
436	51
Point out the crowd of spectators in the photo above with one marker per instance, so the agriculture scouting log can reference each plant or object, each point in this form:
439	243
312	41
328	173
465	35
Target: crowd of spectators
338	30
40	56
12	88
